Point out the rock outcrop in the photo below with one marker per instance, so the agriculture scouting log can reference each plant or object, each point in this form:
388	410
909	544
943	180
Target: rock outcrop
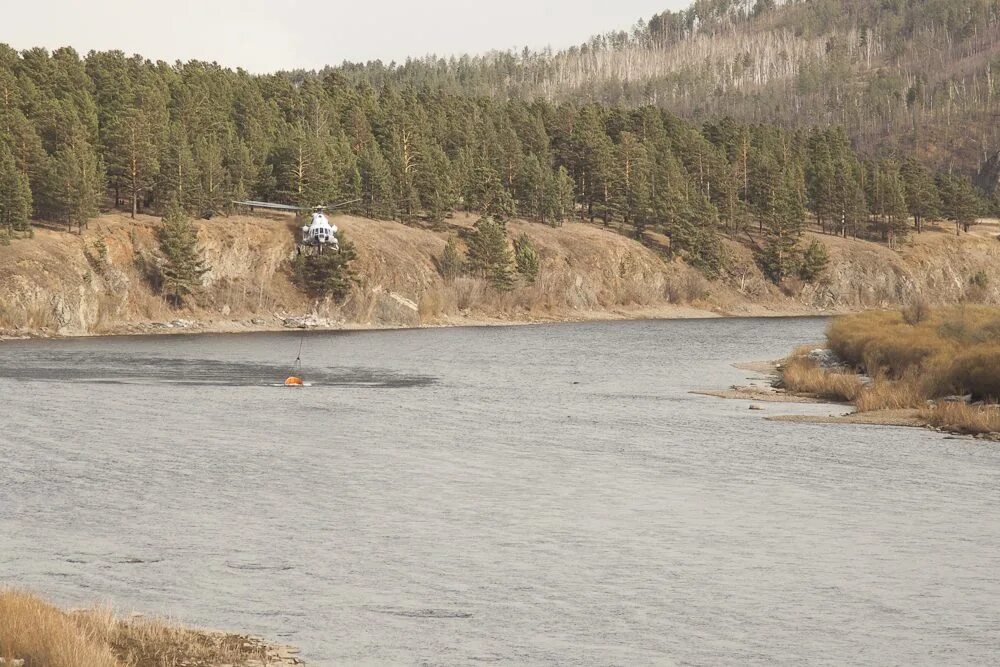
59	283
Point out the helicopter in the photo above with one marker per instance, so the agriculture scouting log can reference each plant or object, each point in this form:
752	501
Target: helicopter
319	233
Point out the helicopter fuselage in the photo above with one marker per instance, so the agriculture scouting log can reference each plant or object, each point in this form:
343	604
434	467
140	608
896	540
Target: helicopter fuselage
320	232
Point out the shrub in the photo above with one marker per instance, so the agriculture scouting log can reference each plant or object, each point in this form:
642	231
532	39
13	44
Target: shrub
975	371
953	351
979	279
917	311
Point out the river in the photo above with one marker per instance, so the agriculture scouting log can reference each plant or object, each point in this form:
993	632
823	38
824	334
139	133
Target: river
526	495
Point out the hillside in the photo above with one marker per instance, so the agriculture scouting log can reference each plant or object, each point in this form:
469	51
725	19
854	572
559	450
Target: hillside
909	75
58	283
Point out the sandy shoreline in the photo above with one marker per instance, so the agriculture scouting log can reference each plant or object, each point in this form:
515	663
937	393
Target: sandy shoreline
768	370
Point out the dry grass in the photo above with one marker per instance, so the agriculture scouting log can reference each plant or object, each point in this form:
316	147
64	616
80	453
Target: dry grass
44	636
963	418
953	350
802	375
890	395
916	358
34	315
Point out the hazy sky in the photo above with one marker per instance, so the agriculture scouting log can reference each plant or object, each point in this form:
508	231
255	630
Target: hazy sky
265	35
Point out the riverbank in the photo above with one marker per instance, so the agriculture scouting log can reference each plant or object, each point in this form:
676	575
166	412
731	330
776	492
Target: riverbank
36	633
936	369
60	284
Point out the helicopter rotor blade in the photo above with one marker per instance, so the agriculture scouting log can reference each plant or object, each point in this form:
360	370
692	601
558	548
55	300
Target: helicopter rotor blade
270	205
342	204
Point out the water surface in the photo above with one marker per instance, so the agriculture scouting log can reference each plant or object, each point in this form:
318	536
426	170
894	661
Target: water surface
529	495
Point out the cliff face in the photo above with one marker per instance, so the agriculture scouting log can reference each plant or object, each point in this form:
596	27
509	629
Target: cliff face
65	283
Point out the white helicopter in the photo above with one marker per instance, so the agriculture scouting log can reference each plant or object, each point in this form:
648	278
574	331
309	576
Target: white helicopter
319	233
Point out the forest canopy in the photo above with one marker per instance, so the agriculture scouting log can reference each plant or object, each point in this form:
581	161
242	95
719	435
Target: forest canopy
78	134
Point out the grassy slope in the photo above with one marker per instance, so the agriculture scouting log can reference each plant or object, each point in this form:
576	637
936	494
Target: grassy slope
49	284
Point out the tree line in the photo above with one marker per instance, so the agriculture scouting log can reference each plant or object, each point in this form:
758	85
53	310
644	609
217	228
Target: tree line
914	74
78	134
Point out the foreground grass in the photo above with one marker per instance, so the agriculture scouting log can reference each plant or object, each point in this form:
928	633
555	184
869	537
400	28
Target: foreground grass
43	636
962	418
912	359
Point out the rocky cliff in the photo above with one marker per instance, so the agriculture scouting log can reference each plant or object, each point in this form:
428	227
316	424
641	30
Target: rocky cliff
97	282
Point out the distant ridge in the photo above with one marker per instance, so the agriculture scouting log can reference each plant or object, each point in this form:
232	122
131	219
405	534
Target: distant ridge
896	74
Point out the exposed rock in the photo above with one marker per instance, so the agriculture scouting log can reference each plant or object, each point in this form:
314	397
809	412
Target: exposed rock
48	285
310	321
395	309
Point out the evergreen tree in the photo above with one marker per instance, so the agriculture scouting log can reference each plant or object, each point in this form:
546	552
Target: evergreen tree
133	154
783	228
890	202
75	184
213	186
922	198
815	259
489	253
181	266
526	258
452	262
960	202
376	183
326	274
15	194
178	179
632	194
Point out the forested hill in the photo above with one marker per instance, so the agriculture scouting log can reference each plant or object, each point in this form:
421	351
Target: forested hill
912	74
80	135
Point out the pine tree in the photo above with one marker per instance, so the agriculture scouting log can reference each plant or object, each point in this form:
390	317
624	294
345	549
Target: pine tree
526	258
327	274
632	183
922	198
452	262
960	202
76	184
783	227
133	155
559	197
815	259
181	266
376	183
208	158
15	194
489	253
433	182
178	179
892	210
